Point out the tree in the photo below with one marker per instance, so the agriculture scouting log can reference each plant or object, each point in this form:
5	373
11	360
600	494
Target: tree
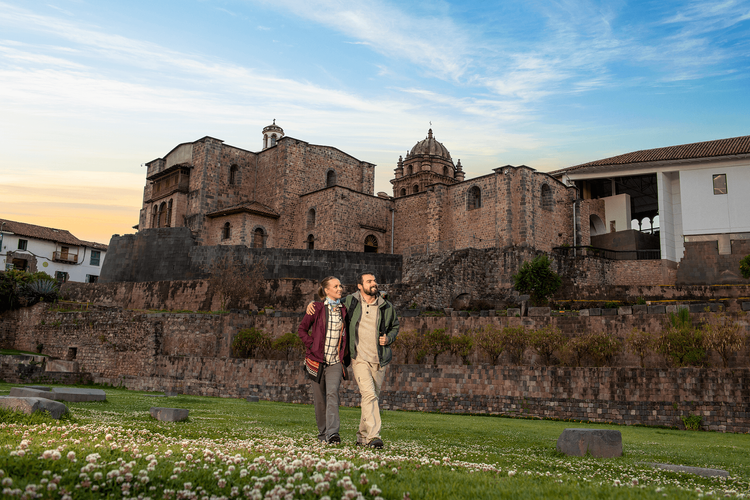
436	342
250	341
641	343
515	340
235	282
461	346
537	279
288	343
408	342
723	336
546	341
490	341
602	347
745	267
680	342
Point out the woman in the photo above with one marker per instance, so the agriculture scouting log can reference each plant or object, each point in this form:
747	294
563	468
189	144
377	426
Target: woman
325	337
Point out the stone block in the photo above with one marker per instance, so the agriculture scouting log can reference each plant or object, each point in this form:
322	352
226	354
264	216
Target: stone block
699	308
514	311
76	395
61	365
672	308
168	414
700	471
640	309
584	312
600	443
537	312
746	306
657	309
29	405
252	399
39	387
595	311
28	392
625	310
610	311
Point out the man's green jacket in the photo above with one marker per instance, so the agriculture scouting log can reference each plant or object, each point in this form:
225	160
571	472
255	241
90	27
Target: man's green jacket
387	325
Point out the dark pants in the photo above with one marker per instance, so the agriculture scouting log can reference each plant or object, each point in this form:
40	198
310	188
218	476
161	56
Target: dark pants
326	399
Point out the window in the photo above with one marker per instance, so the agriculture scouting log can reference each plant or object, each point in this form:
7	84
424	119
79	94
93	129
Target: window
61	276
90	278
259	238
155	217
226	232
95	256
548	203
169	213
371	244
445	172
403	191
474	198
23	244
311	218
408	170
273	140
311	242
233	174
331	178
415	189
720	183
163	215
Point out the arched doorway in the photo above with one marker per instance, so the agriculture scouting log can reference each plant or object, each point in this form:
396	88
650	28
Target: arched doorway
371	244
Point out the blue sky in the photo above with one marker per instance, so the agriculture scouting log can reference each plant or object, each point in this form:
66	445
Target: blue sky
91	90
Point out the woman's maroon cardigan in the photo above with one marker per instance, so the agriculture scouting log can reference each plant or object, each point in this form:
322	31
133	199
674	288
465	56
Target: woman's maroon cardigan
312	331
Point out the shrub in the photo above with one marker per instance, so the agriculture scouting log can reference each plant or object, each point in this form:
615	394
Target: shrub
641	343
602	347
408	342
461	346
546	341
42	289
745	267
289	343
514	341
692	422
249	342
611	305
489	340
537	279
680	342
436	342
723	336
574	351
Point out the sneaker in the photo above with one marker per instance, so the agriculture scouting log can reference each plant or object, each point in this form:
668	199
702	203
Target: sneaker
376	443
334	439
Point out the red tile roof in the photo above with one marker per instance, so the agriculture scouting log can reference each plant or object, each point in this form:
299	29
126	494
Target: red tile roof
47	233
707	149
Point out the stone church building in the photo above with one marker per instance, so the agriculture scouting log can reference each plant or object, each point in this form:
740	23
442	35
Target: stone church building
297	195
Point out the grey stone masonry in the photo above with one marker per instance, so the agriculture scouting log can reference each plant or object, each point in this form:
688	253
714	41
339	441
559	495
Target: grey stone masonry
168	414
625	310
28	392
516	311
609	312
539	311
29	405
746	306
640	309
61	365
657	309
75	395
595	311
600	443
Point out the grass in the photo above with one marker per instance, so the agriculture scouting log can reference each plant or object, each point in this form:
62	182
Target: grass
427	456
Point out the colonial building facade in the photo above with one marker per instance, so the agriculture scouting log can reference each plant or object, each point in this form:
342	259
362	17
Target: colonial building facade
293	194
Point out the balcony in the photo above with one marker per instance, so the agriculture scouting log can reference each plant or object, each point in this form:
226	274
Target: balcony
68	258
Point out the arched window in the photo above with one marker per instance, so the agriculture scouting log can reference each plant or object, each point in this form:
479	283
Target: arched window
259	238
169	213
548	202
233	174
155	217
415	189
311	242
265	141
273	140
403	191
371	244
163	214
446	172
311	218
596	226
408	170
474	198
226	232
331	178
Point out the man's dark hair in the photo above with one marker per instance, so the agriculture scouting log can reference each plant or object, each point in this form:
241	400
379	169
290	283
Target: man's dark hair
360	277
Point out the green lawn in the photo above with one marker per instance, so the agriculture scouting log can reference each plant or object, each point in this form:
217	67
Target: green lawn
230	447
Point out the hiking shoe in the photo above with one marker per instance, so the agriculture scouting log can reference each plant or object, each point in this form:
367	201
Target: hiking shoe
334	439
376	443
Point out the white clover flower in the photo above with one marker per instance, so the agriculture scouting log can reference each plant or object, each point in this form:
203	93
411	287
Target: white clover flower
511	473
71	456
7	481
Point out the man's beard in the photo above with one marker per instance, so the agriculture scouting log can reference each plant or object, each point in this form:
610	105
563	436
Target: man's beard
373	291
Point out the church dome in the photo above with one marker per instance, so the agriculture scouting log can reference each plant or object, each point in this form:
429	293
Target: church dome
430	146
273	128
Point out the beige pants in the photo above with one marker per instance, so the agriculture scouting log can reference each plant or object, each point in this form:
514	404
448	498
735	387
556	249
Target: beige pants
369	377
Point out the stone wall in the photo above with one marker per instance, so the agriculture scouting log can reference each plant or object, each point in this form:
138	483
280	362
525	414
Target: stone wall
171	254
702	263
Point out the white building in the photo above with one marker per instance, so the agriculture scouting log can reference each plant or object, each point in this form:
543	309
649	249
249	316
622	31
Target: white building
54	251
700	193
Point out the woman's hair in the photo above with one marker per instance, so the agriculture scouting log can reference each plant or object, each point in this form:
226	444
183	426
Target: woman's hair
323	285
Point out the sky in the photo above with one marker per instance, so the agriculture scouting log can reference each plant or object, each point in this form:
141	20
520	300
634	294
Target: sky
90	90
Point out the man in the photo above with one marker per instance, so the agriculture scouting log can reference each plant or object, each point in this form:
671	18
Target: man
373	327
